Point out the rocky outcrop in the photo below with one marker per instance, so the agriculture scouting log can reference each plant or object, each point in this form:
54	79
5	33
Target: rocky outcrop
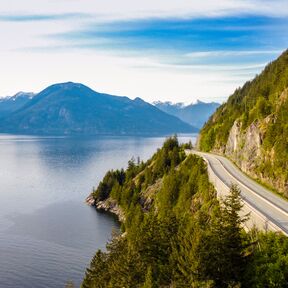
251	127
90	200
244	148
108	205
147	197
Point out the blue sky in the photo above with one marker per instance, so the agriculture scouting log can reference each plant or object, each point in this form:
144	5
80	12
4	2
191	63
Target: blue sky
161	50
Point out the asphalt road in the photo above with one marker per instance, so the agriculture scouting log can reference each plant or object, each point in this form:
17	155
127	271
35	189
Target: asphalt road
270	205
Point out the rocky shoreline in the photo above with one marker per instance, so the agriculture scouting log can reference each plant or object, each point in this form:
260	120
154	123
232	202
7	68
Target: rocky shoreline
108	205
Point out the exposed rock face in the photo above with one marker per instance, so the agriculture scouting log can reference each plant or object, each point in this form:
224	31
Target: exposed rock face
251	126
148	196
244	147
147	199
108	205
90	200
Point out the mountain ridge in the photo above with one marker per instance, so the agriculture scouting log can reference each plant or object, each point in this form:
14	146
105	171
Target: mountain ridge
10	104
194	114
73	108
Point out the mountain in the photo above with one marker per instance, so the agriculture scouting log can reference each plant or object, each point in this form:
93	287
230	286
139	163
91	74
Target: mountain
72	108
11	104
252	127
194	114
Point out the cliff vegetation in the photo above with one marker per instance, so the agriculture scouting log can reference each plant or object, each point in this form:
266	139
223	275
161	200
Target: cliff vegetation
251	128
176	234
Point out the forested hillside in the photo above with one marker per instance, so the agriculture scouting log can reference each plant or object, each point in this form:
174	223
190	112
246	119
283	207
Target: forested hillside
175	233
252	127
75	109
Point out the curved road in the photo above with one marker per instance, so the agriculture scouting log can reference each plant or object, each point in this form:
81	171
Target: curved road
265	203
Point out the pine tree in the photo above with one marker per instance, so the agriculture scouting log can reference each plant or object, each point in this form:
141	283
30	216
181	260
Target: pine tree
227	251
149	281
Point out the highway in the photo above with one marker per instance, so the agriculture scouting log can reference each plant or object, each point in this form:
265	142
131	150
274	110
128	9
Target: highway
268	210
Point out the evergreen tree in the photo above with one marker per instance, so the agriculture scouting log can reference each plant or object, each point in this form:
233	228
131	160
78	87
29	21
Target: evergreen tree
149	281
226	260
185	238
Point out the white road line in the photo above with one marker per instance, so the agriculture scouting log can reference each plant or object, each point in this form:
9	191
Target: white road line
255	193
254	209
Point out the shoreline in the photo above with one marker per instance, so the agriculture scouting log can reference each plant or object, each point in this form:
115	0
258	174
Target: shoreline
108	205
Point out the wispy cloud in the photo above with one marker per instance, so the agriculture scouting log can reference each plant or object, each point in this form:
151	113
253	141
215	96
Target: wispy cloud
205	48
130	9
242	39
189	34
41	17
221	53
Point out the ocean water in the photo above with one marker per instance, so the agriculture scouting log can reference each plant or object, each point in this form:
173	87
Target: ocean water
48	235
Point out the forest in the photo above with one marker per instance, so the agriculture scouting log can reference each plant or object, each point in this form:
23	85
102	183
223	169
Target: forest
177	233
263	103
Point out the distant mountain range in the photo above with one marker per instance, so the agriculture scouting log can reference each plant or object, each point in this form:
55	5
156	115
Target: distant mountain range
193	114
11	104
72	108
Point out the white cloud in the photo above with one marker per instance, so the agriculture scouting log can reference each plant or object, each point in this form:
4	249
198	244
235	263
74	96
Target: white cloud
223	53
26	70
111	9
118	76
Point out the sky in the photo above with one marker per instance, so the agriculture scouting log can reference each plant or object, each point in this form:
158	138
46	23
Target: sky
167	50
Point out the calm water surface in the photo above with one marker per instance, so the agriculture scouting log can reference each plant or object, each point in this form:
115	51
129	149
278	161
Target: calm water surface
47	234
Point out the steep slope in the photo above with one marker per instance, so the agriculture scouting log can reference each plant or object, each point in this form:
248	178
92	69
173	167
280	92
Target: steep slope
175	233
194	114
11	104
161	204
252	127
71	108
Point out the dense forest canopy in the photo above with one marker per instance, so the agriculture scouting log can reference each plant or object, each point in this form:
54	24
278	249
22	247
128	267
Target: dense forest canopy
176	234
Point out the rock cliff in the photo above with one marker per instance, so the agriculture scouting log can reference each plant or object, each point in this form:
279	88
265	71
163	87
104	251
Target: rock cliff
244	148
251	128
